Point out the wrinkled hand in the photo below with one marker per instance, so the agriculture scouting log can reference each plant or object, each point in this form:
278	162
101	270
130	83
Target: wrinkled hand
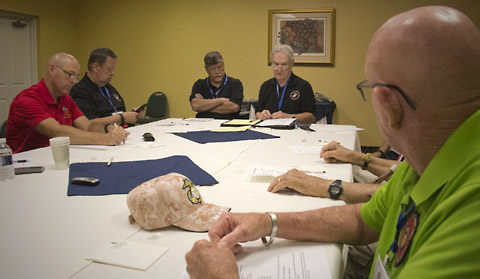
280	114
117	135
199	96
233	228
335	153
130	117
265	114
206	260
300	182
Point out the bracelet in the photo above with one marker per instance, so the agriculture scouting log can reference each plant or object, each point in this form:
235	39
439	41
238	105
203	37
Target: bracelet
382	154
106	125
122	119
274	230
367	160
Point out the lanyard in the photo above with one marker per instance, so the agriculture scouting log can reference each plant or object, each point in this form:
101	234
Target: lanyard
218	91
280	100
402	220
108	98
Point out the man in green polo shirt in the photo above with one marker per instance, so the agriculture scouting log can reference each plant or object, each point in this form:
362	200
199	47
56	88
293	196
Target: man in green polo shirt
422	69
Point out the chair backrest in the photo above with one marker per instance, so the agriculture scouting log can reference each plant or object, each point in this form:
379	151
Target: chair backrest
3	130
156	106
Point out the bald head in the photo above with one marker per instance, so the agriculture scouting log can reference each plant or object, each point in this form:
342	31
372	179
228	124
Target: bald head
61	74
432	53
60	59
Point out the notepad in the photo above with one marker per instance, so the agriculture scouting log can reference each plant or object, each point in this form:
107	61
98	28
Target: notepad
232	129
239	122
128	254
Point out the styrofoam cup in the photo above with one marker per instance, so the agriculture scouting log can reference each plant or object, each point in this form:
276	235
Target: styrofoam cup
61	152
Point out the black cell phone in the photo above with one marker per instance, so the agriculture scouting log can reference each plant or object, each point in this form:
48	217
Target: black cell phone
27	170
140	108
148	137
85	181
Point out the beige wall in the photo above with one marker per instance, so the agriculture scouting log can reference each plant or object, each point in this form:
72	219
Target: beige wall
161	44
56	26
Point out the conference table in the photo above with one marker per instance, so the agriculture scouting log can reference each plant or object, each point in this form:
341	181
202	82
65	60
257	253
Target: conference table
47	234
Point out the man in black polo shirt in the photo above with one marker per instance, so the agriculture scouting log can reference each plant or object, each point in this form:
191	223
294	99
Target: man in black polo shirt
285	95
218	96
94	94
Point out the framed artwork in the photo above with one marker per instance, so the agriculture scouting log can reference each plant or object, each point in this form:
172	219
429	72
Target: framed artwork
310	33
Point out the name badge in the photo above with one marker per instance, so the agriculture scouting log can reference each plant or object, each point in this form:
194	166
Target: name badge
380	272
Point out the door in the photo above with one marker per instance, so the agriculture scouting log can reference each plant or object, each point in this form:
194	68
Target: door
18	59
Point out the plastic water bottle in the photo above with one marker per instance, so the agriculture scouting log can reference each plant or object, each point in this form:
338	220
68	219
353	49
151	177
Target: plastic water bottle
6	161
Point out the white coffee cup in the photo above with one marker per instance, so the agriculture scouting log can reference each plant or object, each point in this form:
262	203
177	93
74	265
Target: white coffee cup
61	152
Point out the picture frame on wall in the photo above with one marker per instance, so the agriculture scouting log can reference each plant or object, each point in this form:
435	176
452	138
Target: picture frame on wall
310	33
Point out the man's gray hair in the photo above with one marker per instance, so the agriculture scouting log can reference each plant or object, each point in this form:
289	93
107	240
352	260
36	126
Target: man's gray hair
213	58
285	49
99	56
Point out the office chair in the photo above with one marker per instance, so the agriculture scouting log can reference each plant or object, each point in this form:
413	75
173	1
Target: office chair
156	108
3	130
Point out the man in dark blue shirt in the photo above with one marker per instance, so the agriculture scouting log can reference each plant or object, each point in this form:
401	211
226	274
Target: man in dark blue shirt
219	95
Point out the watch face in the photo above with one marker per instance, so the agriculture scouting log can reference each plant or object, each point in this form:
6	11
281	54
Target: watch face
335	190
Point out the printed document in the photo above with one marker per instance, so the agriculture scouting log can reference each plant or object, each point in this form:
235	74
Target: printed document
284	259
268	171
302	262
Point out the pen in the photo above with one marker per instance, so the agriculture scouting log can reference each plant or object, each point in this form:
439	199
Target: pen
110	162
21	161
116	126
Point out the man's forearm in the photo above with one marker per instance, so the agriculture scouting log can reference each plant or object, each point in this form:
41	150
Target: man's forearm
339	224
78	136
358	192
202	105
305	118
227	107
98	124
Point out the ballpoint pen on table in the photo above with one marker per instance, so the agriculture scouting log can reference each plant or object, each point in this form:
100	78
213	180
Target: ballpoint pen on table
110	162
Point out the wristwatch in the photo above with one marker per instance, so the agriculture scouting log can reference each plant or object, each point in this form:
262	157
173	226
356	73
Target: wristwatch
335	189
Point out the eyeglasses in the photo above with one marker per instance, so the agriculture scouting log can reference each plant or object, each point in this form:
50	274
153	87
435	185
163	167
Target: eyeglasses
276	65
362	85
71	76
214	68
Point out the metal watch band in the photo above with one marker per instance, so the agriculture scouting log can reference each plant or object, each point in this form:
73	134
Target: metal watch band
274	230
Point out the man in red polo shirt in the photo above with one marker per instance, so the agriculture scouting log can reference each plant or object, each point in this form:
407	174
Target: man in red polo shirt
45	110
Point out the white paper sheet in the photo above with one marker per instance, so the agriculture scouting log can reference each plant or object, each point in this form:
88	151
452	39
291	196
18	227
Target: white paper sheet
269	171
281	261
24	162
285	262
128	254
275	122
193	119
93	147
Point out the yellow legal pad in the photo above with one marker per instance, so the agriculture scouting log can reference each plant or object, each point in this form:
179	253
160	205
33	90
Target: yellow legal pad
232	129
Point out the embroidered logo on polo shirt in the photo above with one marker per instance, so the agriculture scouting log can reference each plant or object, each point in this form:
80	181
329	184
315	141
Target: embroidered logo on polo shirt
406	236
117	97
66	113
294	95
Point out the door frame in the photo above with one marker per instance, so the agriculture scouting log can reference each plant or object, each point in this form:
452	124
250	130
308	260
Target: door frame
32	29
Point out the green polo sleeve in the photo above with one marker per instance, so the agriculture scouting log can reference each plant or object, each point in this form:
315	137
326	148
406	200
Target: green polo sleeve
375	211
